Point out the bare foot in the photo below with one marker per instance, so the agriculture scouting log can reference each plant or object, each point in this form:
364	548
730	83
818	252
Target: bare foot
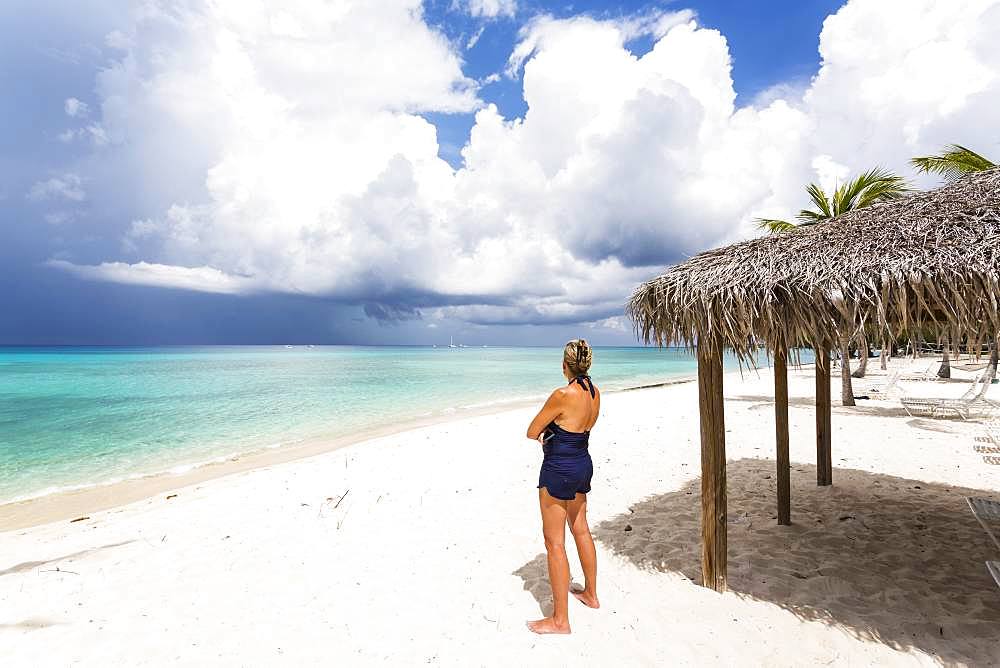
589	600
548	625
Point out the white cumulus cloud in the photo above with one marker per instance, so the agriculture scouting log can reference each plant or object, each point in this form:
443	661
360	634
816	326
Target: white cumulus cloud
199	279
472	41
74	107
289	146
67	186
491	8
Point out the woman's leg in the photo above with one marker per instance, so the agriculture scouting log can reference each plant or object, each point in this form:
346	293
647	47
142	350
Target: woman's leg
577	510
554	530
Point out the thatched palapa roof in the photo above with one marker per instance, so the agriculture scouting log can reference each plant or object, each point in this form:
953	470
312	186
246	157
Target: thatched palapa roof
928	260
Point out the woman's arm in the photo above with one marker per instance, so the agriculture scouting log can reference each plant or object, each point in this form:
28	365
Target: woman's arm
550	411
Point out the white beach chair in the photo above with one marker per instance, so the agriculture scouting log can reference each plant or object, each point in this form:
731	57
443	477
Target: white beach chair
993	567
989	442
987	512
991	430
930	373
890	390
973	398
930	405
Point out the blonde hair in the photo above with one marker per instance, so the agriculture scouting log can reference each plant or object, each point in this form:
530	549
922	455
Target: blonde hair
578	355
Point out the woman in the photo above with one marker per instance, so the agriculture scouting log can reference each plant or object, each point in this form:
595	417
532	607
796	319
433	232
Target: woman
563	427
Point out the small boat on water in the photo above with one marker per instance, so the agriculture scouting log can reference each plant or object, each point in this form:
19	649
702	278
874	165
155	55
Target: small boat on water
452	344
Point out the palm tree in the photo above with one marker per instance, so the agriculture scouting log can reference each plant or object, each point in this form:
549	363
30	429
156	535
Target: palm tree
875	185
944	371
885	353
991	370
863	352
953	162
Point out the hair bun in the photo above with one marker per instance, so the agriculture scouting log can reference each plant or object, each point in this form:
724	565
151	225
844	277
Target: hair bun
578	356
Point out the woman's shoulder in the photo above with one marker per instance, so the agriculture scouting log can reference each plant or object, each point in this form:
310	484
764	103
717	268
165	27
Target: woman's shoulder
559	393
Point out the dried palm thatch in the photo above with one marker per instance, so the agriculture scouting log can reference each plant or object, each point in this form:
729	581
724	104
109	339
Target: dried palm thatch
928	261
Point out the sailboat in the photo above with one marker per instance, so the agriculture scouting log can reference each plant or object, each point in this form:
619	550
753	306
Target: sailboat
452	344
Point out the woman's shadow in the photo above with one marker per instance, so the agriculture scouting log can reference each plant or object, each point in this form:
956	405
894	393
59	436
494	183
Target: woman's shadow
535	574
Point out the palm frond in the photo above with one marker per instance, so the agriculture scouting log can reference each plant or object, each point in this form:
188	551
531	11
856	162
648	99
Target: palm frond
840	199
885	186
953	162
774	225
809	217
819	199
875	185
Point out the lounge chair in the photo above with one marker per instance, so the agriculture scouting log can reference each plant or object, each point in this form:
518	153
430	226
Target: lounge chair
974	397
889	390
990	438
930	373
993	431
987	512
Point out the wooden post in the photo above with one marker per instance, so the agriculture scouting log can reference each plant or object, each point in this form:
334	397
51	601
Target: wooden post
781	434
824	457
713	464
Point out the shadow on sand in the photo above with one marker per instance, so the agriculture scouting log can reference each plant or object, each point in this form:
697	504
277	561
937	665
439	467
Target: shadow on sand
535	574
29	565
31	624
889	560
871	407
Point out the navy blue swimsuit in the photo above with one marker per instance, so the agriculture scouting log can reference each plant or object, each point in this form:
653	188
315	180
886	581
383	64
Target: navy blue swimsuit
567	467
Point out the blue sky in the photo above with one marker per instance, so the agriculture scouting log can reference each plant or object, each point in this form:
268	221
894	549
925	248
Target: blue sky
188	177
771	42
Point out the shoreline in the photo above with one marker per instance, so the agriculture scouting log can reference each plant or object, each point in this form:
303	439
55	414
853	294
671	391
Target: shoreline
73	504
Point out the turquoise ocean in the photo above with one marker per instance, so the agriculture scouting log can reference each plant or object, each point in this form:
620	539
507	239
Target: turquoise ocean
72	417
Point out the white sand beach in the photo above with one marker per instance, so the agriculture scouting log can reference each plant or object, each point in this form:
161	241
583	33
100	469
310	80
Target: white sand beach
424	547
